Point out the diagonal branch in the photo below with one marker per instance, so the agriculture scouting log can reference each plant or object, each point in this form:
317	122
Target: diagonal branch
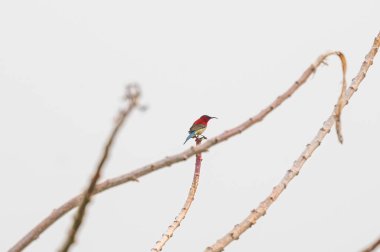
190	197
372	246
257	213
183	156
133	94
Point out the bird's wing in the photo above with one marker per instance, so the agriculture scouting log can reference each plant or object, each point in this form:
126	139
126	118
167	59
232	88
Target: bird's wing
196	127
191	135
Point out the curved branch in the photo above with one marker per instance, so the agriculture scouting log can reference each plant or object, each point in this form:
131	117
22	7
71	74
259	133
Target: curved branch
134	175
260	211
190	197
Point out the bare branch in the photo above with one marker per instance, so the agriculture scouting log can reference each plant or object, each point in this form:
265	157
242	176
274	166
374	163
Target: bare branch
260	211
190	197
183	156
372	246
132	96
340	103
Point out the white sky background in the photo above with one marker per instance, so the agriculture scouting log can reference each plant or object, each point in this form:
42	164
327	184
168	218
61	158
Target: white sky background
63	69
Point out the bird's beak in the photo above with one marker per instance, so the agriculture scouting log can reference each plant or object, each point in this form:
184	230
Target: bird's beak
213	117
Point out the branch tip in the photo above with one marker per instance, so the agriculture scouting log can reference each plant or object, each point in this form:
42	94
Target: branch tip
116	181
133	93
297	165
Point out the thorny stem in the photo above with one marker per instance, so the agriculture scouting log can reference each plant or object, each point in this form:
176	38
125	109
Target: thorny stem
133	94
190	197
168	161
261	210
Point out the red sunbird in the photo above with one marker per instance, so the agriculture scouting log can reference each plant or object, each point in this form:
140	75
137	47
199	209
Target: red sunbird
198	127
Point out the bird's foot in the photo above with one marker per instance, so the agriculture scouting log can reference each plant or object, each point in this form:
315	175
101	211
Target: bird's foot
203	137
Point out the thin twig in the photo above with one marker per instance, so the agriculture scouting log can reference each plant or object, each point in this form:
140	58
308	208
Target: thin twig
340	103
133	94
260	211
190	197
183	156
372	246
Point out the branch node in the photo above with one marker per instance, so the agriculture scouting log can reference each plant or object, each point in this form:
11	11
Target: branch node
134	179
101	187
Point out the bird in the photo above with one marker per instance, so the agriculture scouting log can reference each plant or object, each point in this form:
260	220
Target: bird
198	127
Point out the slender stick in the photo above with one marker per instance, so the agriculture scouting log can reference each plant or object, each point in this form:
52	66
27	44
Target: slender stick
133	94
372	246
260	211
190	197
183	156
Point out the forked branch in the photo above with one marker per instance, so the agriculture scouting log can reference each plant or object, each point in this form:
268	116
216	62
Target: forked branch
134	175
190	197
260	211
133	94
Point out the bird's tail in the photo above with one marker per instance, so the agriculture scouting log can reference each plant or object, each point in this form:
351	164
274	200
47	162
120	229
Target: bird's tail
192	134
